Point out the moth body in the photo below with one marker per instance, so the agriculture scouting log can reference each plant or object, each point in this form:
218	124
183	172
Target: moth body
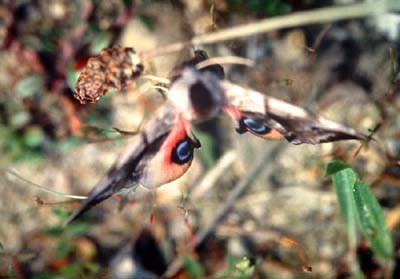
197	95
163	151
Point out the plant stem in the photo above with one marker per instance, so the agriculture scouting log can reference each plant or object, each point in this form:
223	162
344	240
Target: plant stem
240	188
40	187
316	16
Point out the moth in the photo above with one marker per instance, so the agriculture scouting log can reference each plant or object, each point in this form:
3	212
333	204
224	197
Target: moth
163	151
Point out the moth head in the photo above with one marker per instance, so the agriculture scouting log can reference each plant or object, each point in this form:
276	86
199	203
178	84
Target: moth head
197	95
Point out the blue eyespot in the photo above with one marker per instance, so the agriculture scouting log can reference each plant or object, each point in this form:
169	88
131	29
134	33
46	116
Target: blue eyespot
183	152
257	126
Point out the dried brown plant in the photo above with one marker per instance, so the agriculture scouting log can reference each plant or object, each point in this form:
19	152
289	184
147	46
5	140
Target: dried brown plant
112	68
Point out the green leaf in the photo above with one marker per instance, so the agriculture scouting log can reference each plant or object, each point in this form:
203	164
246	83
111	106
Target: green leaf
262	7
72	76
236	268
344	178
73	270
147	21
28	86
208	153
229	269
77	228
357	202
19	119
372	220
68	144
276	7
101	40
129	3
44	276
63	248
61	214
146	2
358	275
335	166
92	267
232	260
55	231
244	269
193	268
33	137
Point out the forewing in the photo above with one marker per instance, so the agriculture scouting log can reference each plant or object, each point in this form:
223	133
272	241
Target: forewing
128	168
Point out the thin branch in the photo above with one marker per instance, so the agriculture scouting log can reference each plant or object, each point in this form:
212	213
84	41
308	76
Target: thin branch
240	188
40	187
319	38
211	177
225	60
175	47
316	16
162	88
156	78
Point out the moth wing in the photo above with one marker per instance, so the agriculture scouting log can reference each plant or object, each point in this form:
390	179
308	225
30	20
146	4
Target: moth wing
272	118
128	168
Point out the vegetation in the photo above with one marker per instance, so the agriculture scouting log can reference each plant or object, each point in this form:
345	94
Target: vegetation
248	208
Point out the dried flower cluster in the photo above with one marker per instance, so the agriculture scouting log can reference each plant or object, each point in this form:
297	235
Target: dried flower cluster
112	68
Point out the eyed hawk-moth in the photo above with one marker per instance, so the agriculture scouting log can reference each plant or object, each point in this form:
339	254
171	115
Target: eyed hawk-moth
164	149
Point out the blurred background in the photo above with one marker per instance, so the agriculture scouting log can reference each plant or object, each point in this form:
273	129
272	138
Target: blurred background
287	224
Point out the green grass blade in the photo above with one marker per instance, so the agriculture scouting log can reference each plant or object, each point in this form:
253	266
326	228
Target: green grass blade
335	166
193	268
344	178
372	221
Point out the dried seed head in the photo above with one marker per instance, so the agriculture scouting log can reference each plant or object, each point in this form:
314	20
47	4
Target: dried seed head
112	68
92	83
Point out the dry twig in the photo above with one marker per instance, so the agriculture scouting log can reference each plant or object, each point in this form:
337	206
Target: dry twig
241	187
